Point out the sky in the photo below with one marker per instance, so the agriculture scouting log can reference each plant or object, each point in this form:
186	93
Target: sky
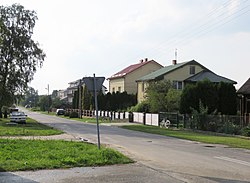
83	37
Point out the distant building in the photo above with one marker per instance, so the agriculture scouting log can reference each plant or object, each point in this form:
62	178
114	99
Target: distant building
125	80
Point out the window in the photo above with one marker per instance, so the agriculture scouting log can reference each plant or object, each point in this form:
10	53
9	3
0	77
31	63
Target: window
119	89
113	89
192	70
177	85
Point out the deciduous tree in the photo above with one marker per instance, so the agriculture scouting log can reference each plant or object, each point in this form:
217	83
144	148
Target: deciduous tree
20	55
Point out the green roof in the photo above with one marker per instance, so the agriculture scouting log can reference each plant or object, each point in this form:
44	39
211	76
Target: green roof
161	72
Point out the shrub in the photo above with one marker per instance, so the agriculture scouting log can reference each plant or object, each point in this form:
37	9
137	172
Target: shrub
66	114
246	131
140	107
73	114
230	128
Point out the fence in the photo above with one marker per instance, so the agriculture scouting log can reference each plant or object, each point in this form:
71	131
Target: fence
218	123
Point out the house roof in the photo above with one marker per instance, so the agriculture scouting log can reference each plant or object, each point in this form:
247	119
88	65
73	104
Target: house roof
161	72
245	88
206	74
131	68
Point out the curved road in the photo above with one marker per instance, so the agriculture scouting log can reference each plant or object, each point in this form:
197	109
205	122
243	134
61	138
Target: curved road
176	160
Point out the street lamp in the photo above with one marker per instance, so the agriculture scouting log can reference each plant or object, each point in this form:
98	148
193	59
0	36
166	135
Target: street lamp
48	96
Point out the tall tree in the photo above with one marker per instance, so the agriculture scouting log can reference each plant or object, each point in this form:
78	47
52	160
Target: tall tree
20	55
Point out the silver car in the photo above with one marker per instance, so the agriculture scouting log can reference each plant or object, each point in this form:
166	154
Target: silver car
18	117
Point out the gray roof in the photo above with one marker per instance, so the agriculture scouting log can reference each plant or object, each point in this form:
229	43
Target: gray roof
161	72
245	88
205	74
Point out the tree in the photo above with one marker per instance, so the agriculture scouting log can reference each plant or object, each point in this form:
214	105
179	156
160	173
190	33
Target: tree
227	99
31	97
20	55
156	95
216	97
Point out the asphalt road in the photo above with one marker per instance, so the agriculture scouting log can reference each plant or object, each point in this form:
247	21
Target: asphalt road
159	159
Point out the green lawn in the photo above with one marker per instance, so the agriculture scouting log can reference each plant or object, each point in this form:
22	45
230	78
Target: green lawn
194	136
31	128
49	154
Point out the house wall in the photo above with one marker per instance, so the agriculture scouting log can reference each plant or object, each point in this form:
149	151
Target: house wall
116	83
130	84
182	73
141	94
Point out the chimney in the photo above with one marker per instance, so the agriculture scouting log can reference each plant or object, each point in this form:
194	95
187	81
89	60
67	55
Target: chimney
146	59
141	60
174	62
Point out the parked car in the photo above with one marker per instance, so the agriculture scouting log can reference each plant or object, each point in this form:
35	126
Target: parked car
60	112
18	117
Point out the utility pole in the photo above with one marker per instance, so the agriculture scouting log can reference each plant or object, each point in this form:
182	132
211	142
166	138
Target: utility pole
80	99
48	96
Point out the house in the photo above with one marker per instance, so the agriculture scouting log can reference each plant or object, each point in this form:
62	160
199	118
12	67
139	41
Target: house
244	95
179	74
73	86
125	80
62	94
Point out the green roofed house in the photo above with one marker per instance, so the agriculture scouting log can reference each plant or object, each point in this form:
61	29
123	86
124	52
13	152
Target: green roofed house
179	74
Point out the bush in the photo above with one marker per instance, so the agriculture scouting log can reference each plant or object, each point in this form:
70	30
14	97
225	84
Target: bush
230	128
246	131
140	107
66	114
73	114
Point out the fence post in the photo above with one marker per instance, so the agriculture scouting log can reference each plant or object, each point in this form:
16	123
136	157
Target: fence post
144	118
177	119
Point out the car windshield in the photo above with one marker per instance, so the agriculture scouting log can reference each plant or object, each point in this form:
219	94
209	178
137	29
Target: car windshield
17	114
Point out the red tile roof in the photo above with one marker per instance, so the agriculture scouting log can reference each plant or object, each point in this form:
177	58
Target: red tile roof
130	69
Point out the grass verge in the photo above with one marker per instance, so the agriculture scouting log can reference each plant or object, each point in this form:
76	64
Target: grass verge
194	136
31	128
16	155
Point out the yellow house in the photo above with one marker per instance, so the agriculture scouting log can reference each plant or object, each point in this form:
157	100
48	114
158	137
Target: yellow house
125	80
179	74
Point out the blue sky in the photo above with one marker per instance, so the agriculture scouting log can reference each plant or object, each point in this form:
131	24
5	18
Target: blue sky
82	37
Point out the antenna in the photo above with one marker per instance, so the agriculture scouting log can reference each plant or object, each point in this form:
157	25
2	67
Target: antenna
175	54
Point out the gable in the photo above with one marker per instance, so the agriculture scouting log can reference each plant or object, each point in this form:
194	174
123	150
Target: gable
245	88
132	68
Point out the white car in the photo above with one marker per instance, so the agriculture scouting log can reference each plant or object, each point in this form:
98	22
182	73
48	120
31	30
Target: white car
18	117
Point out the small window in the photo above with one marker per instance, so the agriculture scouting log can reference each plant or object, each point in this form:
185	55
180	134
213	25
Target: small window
113	89
192	70
177	85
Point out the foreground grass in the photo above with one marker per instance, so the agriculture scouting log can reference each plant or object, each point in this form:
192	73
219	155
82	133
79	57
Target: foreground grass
31	128
18	155
194	136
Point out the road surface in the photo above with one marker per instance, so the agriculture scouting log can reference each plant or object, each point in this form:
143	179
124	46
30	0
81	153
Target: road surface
171	159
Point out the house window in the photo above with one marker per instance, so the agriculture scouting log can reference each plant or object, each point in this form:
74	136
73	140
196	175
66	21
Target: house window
177	85
192	70
119	89
113	89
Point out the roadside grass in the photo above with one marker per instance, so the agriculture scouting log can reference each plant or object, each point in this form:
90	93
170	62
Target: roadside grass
194	136
31	128
16	155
